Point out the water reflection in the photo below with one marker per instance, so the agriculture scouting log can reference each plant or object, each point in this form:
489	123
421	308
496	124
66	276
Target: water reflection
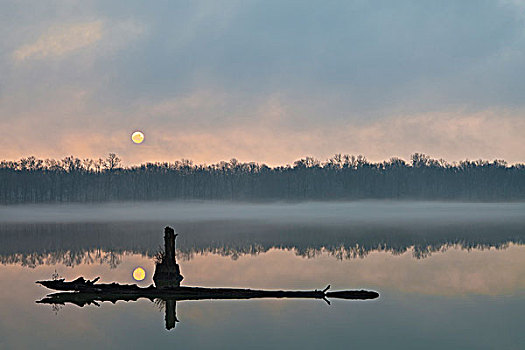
167	290
86	243
452	284
479	293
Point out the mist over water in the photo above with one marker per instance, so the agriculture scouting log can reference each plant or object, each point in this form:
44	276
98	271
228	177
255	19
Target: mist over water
32	235
311	212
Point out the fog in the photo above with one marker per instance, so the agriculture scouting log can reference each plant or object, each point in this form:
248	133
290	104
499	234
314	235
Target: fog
313	212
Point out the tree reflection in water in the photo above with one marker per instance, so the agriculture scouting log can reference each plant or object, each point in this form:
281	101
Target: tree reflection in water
105	243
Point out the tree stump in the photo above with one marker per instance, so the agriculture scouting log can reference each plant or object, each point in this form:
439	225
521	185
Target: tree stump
167	272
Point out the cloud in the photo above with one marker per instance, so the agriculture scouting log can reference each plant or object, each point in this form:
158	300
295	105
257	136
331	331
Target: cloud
263	81
102	36
208	126
61	40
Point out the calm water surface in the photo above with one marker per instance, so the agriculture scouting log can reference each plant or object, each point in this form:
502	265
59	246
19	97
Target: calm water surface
449	275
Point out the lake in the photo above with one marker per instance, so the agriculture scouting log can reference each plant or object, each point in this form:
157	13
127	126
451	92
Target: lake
450	275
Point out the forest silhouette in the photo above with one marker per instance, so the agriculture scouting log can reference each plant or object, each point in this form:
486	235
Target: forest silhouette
342	177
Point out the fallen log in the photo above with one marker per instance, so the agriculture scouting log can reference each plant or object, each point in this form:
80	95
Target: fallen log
82	292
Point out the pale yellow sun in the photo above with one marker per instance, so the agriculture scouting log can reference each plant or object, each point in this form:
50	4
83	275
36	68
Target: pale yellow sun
137	137
139	274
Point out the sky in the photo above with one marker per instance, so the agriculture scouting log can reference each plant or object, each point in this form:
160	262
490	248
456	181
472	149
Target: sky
266	81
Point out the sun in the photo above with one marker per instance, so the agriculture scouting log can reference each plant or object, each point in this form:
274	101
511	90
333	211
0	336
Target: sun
139	274
137	137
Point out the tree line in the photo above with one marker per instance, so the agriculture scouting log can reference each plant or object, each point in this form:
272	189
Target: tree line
342	177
